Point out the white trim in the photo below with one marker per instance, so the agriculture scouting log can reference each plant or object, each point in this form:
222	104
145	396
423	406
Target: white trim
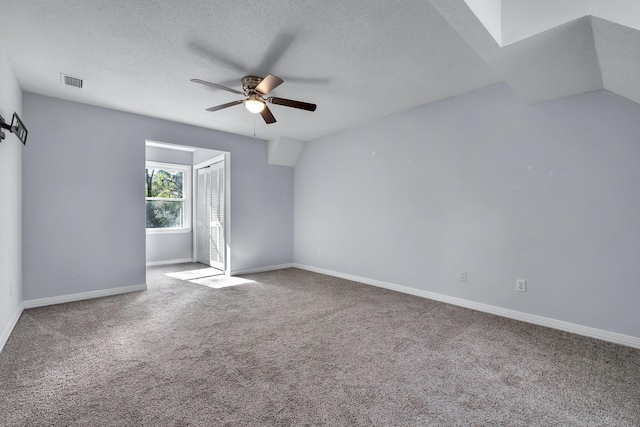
150	143
262	269
166	165
587	331
168	230
12	324
194	210
227	214
40	302
170	261
217	159
165	199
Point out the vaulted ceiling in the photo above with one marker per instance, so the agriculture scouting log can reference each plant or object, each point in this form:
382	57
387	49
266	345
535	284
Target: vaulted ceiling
358	60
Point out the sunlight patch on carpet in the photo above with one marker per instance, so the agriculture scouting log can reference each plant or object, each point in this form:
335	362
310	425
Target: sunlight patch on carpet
195	274
218	282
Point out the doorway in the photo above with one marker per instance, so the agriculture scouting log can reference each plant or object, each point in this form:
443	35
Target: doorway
177	244
210	213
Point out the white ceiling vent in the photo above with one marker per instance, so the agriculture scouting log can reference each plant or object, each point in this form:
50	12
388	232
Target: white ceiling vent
72	81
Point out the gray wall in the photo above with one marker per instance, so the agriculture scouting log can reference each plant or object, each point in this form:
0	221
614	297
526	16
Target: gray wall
485	183
10	200
164	247
166	155
169	246
202	155
83	202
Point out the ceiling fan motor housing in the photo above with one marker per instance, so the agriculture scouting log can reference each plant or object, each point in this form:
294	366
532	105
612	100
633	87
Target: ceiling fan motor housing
249	84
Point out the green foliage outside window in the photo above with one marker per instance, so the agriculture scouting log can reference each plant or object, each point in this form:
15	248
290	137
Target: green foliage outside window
167	185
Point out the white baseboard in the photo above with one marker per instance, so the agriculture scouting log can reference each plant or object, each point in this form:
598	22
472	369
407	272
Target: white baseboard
170	261
12	324
40	302
587	331
261	269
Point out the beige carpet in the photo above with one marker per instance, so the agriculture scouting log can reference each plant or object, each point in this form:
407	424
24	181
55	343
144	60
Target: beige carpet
294	348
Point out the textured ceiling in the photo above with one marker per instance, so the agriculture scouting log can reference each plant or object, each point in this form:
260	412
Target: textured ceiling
358	60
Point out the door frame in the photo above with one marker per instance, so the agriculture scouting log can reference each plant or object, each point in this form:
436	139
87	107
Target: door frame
226	158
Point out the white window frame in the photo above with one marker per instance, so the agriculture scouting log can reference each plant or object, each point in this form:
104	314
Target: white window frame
186	196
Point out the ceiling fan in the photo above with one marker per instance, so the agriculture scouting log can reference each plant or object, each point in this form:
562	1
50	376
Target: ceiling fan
255	91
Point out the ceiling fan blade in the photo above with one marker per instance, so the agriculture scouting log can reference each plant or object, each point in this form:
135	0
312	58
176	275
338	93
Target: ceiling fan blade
227	105
291	103
268	84
267	116
306	81
202	82
278	47
201	50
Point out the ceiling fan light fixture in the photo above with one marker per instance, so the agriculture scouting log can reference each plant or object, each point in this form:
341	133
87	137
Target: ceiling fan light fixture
254	104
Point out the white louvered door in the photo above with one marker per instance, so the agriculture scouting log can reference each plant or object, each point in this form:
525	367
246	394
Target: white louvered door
203	217
217	215
210	207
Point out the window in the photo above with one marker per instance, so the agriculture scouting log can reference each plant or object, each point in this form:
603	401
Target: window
167	190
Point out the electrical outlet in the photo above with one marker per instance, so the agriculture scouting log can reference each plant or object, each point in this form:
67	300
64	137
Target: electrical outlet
318	252
10	290
462	276
521	285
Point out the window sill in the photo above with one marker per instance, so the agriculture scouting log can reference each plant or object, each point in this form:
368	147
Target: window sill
168	230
